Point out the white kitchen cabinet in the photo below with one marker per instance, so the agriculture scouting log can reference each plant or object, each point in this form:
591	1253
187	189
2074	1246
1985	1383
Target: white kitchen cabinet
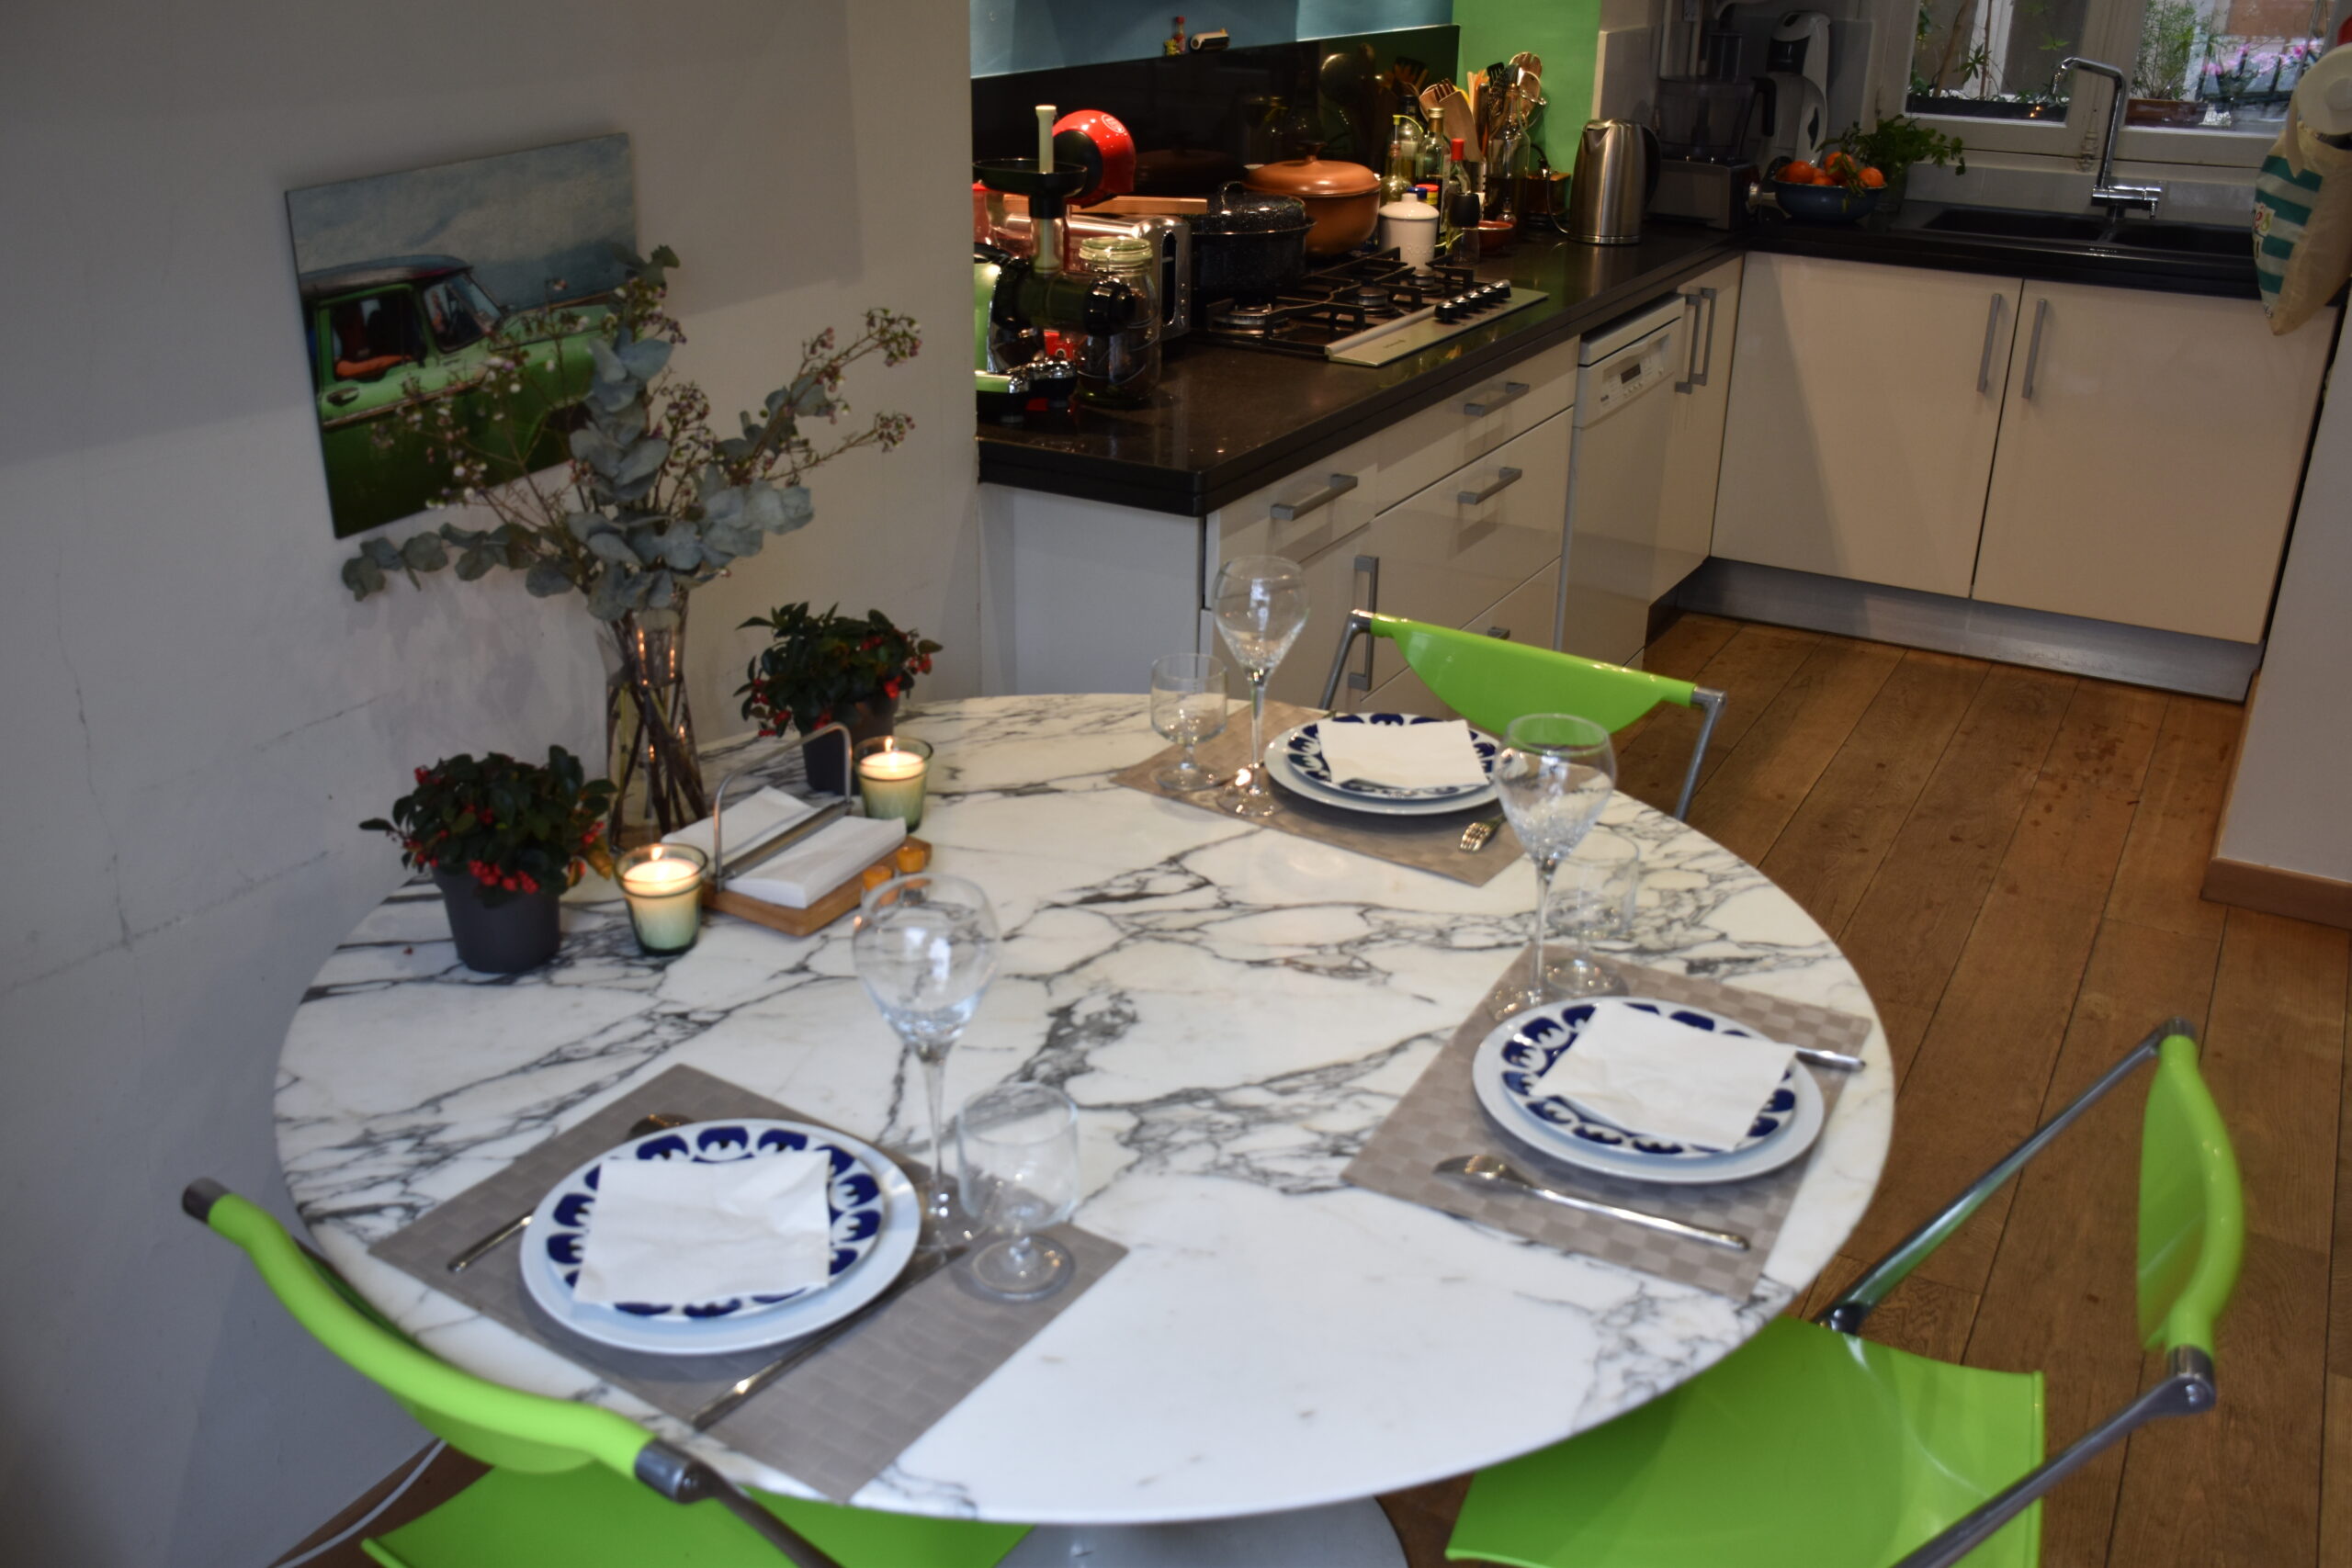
1858	437
2151	446
1686	522
1524	615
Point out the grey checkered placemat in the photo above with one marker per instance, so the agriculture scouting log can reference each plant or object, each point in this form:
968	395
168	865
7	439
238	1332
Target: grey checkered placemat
834	1422
1440	1118
1426	843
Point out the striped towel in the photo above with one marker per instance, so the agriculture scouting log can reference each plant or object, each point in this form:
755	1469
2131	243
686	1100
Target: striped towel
2303	225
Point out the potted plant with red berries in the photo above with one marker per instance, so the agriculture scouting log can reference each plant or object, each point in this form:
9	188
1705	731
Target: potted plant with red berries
502	840
817	668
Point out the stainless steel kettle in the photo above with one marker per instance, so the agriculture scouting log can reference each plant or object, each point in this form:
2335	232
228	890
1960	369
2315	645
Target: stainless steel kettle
1616	175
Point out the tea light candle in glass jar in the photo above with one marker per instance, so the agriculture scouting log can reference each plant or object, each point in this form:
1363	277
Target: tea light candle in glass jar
892	772
663	885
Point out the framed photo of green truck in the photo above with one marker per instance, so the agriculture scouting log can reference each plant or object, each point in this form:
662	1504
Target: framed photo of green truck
436	285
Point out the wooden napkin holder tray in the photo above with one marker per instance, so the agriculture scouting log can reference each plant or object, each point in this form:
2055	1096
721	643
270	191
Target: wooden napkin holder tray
816	916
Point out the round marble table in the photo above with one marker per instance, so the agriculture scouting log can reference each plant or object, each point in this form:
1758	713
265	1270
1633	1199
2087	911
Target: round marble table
1234	1009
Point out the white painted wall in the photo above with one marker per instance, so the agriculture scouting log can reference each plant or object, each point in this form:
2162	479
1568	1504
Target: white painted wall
2288	802
195	715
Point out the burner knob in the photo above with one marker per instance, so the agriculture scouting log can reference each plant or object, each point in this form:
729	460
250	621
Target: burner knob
1452	309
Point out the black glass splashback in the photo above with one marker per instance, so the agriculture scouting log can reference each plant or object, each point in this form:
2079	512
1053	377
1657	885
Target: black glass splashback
1196	118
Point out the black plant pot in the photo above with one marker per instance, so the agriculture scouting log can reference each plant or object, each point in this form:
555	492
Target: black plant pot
828	759
518	933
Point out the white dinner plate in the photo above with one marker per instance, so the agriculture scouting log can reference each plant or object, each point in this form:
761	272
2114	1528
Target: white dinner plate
1557	1130
1303	749
1278	766
876	1256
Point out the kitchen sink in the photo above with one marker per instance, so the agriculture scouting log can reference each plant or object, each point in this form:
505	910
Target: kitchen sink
2135	234
2195	239
2008	225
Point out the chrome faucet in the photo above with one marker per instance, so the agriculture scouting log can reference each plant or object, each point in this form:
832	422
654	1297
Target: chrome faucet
2118	199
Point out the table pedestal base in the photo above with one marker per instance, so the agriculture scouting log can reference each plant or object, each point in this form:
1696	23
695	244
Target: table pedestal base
1344	1535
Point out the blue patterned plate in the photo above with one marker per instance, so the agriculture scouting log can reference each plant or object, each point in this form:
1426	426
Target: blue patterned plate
1517	1052
1303	749
855	1198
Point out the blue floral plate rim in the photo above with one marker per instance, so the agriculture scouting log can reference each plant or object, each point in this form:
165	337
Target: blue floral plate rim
1303	749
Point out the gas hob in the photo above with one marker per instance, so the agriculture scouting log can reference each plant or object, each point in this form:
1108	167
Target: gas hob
1366	311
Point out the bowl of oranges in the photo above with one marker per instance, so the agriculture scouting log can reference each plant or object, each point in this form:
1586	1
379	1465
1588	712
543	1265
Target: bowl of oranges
1838	189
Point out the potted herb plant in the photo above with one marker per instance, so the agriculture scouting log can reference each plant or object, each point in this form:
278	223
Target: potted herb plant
1898	143
502	840
658	501
817	668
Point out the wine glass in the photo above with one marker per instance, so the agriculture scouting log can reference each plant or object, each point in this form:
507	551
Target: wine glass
926	947
1555	773
1261	607
1019	1144
1187	707
1593	896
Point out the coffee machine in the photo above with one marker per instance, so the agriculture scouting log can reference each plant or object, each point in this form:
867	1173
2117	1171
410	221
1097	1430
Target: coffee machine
1796	88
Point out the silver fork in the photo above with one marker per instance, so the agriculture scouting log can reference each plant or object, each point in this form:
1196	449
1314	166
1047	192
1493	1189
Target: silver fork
1493	1170
1475	837
464	1260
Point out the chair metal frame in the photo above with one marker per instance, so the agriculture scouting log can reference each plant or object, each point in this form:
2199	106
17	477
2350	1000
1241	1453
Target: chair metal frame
1706	699
2187	1389
664	1468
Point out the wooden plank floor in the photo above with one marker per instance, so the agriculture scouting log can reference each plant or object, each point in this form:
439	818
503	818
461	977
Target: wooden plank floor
2012	858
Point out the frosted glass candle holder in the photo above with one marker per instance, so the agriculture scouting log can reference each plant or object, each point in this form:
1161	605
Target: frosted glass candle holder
893	772
663	885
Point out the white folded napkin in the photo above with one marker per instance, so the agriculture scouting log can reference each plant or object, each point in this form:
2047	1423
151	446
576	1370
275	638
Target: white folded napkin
751	821
821	861
1409	756
674	1232
1651	1075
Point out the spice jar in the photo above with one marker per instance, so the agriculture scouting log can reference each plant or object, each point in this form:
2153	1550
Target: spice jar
1119	369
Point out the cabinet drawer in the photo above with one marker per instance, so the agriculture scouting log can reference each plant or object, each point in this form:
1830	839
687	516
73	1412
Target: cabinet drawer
1334	586
1424	447
1525	613
1326	501
1444	557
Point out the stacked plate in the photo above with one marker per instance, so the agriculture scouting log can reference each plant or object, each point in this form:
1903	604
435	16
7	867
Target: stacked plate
876	1221
1295	759
1517	1052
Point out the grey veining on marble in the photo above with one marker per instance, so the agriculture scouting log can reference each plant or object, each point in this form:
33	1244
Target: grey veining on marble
1233	1010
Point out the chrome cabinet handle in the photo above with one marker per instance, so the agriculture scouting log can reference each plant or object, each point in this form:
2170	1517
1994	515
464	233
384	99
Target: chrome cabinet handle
1334	487
1478	408
2033	349
1500	634
1368	569
1992	328
1699	369
1503	482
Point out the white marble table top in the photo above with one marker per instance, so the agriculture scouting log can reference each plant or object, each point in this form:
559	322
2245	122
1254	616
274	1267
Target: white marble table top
1234	1010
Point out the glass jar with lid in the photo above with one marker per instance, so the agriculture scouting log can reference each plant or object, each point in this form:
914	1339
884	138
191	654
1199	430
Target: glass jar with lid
1119	369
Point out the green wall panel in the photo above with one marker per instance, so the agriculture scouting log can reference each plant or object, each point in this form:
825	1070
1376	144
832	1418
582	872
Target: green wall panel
1566	33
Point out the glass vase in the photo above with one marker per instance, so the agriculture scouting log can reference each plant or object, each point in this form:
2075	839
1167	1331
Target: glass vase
648	728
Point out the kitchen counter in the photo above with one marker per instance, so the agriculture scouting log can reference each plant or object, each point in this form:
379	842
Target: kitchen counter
1903	238
1226	420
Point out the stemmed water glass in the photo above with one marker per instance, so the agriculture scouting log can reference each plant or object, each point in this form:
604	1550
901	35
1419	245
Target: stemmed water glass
1188	706
926	947
1555	773
1261	604
1019	1144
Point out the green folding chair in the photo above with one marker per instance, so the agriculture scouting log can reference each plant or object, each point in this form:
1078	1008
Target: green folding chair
1491	681
572	1484
1808	1447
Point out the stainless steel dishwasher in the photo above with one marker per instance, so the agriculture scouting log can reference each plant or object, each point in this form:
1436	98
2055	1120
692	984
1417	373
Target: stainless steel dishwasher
1617	455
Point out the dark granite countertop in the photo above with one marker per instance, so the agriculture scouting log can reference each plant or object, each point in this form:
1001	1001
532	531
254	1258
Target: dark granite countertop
1903	238
1226	420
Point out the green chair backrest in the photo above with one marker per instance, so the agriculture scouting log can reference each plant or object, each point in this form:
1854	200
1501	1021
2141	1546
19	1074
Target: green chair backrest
2192	1210
502	1426
1490	681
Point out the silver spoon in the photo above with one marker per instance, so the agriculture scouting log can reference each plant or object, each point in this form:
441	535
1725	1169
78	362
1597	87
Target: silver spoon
1493	1170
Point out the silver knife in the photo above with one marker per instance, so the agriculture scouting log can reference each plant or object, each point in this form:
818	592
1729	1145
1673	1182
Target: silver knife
1820	1058
768	848
922	1267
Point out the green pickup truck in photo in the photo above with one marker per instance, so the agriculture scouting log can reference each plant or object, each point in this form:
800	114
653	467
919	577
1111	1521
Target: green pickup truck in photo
386	336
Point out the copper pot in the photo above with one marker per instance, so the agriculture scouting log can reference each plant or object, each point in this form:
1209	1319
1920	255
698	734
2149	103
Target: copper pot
1343	199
